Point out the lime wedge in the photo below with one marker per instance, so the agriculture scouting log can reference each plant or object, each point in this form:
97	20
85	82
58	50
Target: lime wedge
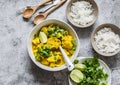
80	66
76	75
43	37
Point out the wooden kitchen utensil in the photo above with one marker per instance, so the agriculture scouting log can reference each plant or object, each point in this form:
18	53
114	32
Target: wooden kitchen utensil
42	15
30	10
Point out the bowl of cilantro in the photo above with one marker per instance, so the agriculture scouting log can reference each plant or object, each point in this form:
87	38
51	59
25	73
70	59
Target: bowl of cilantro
90	71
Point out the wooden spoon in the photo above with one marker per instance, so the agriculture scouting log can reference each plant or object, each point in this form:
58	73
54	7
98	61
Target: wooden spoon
30	10
42	15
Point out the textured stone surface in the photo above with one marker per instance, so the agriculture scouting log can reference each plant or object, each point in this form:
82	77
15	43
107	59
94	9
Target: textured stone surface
16	68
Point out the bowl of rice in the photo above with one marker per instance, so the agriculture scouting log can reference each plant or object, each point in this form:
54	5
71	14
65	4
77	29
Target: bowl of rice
82	13
105	39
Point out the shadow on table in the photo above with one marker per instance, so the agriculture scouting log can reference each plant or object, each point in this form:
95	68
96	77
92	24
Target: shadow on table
112	61
83	32
44	77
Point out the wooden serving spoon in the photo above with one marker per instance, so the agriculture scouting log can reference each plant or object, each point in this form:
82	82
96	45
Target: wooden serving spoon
30	10
42	15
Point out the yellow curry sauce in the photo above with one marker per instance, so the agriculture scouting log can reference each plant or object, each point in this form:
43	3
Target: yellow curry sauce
48	53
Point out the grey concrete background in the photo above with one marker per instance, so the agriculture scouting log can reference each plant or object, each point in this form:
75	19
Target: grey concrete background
16	68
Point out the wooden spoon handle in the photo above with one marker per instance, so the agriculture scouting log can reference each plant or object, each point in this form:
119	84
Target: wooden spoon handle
41	4
53	8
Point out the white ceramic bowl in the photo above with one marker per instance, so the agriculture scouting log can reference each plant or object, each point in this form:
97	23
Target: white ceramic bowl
102	64
37	28
95	12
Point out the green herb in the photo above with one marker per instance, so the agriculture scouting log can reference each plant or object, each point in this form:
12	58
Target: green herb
49	31
76	61
37	57
94	63
62	31
74	44
44	51
93	73
55	57
104	83
36	35
54	53
60	38
54	30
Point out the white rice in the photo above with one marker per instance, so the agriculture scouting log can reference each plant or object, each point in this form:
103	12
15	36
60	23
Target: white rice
82	12
107	41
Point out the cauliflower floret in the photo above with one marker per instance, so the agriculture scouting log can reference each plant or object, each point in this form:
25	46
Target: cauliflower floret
44	29
36	41
52	65
67	42
51	59
45	62
54	43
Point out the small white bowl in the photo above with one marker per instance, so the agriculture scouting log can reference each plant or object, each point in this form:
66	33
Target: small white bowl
37	28
102	64
114	28
95	12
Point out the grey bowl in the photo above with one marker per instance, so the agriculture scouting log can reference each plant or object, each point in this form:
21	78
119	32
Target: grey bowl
114	29
95	7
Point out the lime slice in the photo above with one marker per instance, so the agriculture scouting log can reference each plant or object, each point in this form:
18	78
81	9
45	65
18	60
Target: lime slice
76	75
43	37
80	66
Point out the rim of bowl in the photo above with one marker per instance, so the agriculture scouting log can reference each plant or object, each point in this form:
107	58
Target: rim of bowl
96	13
31	55
114	29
